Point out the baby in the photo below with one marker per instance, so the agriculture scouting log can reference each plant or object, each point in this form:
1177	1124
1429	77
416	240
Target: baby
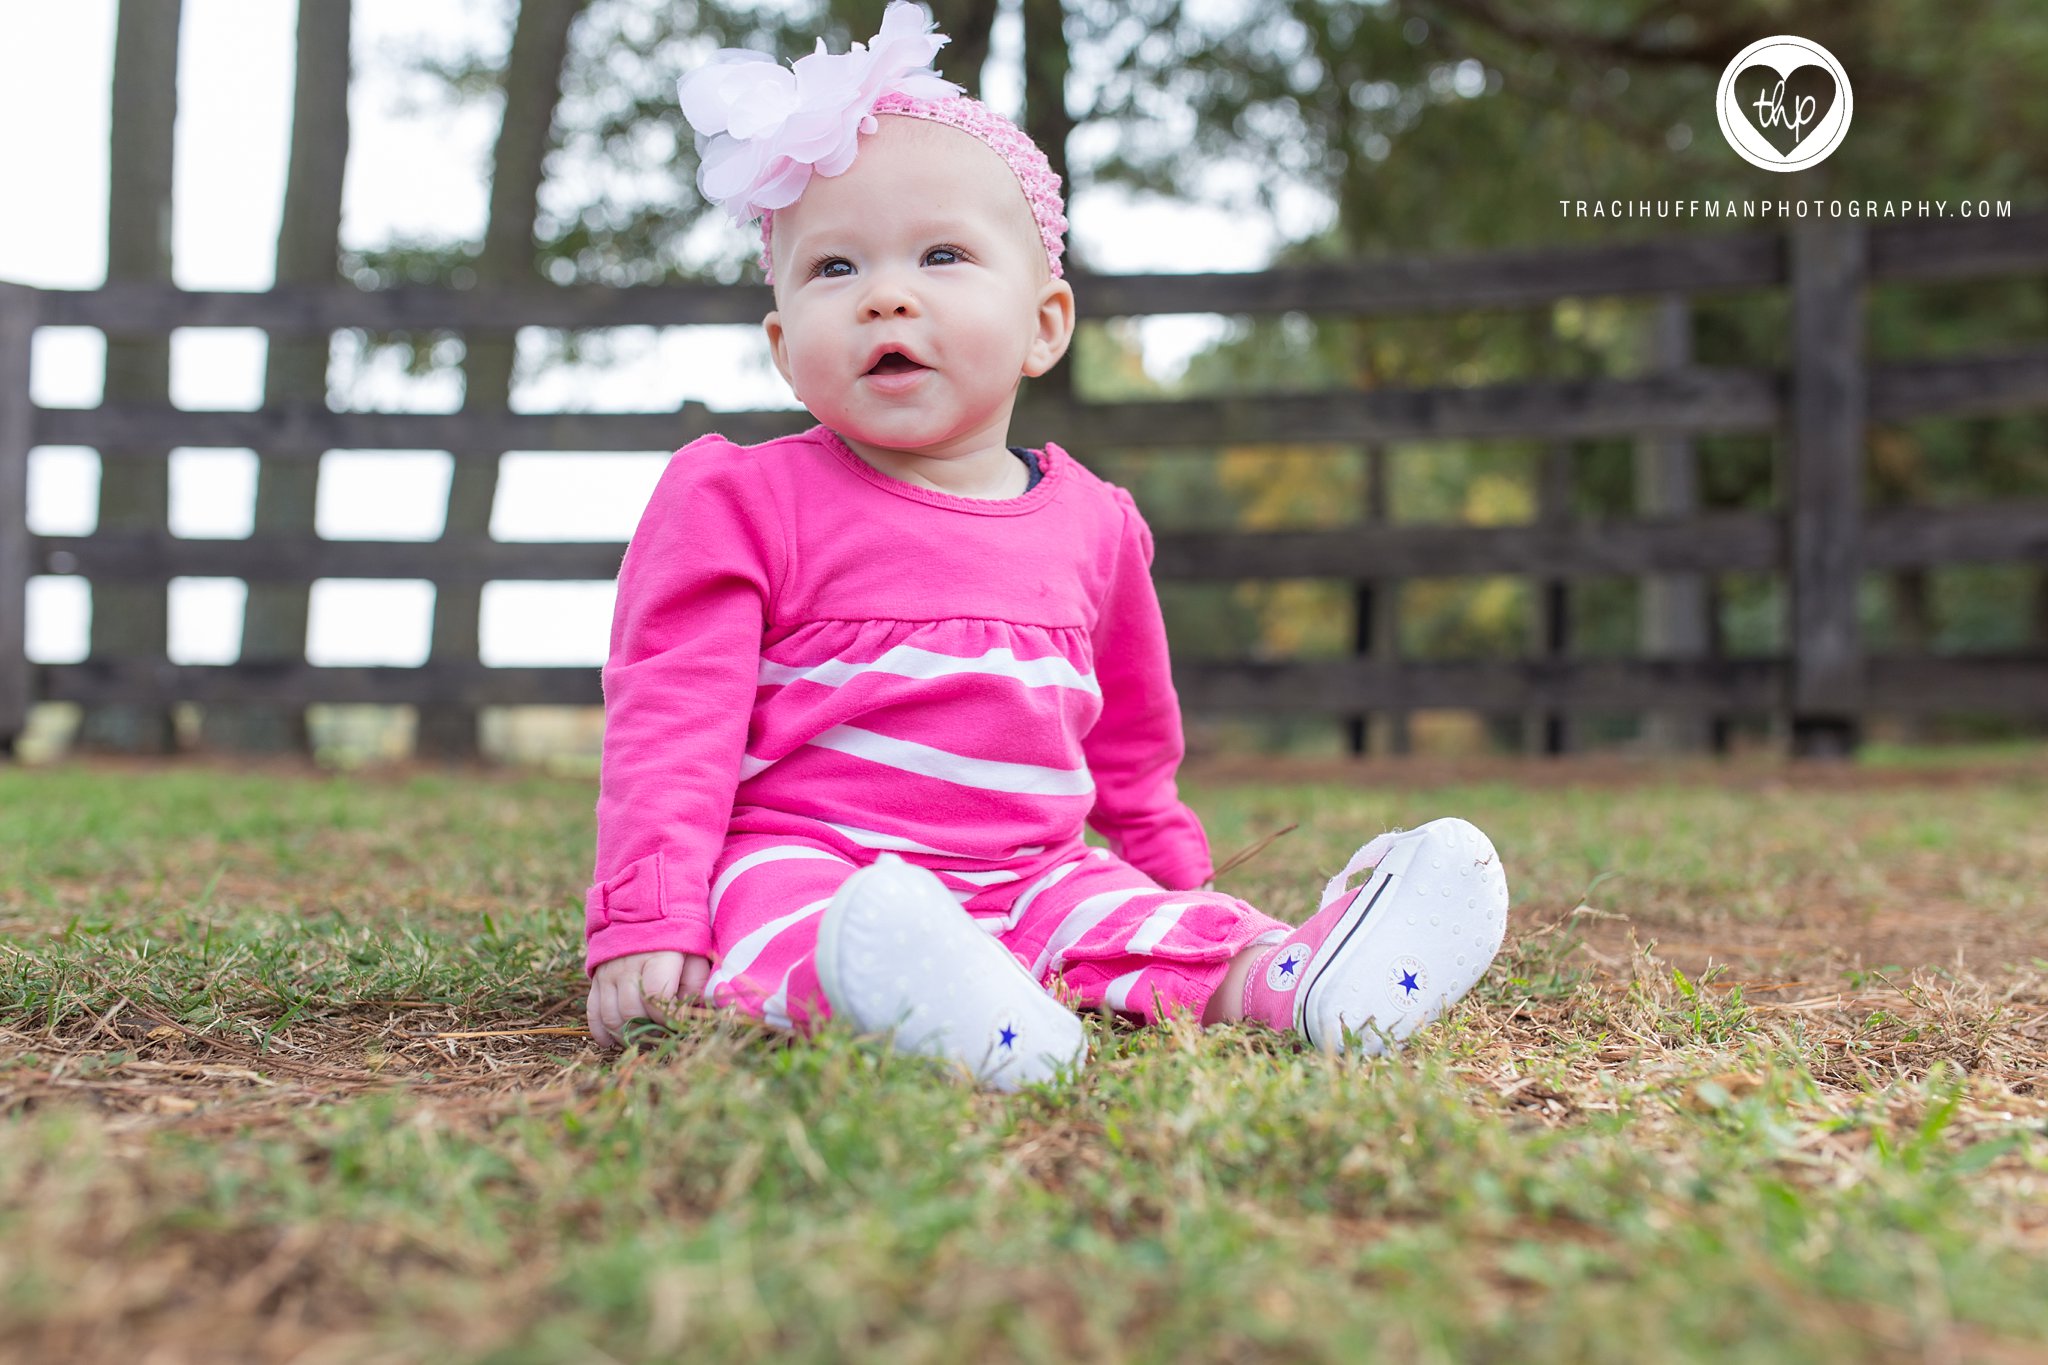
866	684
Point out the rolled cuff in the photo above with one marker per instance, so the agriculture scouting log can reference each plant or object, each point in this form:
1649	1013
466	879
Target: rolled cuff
637	911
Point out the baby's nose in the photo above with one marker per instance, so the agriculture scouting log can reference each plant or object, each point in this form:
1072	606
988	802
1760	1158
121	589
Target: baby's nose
890	296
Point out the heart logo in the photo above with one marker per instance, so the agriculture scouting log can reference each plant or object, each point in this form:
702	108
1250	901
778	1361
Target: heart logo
1784	103
1784	108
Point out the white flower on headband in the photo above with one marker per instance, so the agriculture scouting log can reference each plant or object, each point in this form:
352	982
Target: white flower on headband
763	131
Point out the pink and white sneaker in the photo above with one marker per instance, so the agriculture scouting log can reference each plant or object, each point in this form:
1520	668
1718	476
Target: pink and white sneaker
1377	962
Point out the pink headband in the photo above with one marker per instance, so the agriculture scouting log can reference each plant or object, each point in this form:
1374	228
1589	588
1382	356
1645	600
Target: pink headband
762	132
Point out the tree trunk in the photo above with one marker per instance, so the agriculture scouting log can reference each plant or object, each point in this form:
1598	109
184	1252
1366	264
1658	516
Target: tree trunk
308	246
533	84
968	23
1046	60
131	620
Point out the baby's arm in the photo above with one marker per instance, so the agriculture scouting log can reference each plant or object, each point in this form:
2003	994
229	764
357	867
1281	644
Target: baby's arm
1136	744
679	684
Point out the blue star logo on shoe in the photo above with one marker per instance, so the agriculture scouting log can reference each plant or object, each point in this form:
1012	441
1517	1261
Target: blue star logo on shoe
1407	982
1008	1037
1284	973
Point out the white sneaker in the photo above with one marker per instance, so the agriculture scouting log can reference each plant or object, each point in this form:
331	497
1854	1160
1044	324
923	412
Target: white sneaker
1379	961
897	954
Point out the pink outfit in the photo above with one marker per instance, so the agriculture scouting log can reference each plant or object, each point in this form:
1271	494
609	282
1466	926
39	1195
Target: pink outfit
812	662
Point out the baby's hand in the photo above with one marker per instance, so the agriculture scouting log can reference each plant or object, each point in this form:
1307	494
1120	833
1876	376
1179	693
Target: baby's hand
636	986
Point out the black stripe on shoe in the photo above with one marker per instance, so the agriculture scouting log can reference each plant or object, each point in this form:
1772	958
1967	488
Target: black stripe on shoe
1324	960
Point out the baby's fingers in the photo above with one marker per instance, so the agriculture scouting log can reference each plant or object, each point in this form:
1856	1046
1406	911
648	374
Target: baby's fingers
603	1013
642	1000
629	1005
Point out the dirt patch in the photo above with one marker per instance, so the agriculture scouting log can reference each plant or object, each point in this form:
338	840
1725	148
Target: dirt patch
1836	915
1831	942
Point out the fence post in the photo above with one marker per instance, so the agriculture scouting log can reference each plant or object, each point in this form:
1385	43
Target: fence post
1365	605
1673	612
1376	621
17	433
1550	732
1829	261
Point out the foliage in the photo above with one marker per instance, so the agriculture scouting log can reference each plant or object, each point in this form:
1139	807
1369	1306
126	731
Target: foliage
1442	124
1409	127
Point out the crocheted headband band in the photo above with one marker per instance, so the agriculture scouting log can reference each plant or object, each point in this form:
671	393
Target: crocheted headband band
763	131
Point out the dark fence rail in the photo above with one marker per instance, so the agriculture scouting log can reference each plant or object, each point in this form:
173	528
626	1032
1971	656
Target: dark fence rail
1912	684
1693	401
1821	539
1711	542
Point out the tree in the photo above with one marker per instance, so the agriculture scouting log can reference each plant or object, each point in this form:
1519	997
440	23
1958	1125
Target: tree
1049	122
308	242
1423	126
130	621
532	87
969	23
1448	124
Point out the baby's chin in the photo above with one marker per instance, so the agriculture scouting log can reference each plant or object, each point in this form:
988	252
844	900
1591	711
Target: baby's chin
908	432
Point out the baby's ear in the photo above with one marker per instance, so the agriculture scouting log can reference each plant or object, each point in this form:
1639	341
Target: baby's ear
1055	327
778	347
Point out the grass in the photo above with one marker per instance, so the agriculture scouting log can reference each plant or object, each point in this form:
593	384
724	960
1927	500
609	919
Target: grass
1759	1074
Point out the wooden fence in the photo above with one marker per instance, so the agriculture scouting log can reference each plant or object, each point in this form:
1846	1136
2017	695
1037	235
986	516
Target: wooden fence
1821	538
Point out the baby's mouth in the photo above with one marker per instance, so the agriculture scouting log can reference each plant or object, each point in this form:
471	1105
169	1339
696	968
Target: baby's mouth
895	363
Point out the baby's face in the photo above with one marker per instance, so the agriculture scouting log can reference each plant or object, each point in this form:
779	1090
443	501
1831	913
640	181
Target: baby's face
925	244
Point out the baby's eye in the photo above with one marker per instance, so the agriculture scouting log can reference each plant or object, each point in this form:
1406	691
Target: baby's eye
823	266
950	251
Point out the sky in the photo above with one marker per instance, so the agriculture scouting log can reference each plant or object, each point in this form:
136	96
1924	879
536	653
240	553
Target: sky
416	169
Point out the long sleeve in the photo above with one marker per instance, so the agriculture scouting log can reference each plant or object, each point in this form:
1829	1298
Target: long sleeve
1136	744
693	597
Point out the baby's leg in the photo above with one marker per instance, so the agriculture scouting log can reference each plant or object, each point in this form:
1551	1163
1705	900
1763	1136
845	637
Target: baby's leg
1115	938
767	892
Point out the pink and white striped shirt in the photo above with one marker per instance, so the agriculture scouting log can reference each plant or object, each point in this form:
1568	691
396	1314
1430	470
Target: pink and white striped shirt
804	645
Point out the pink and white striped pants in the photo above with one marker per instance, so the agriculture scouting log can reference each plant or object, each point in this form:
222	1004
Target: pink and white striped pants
1104	930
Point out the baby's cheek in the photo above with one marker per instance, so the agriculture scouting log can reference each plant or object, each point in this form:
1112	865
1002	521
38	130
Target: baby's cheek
801	375
813	373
